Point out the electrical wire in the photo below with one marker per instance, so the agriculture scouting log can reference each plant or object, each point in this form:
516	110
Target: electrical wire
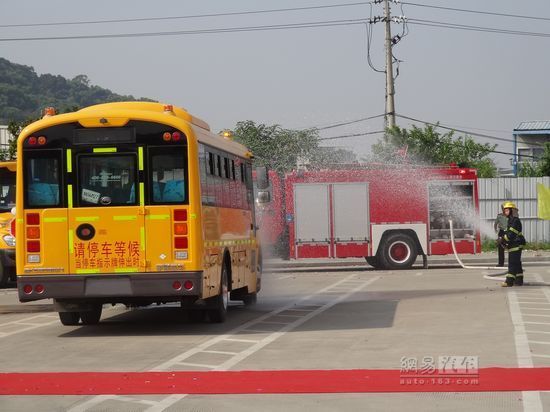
331	126
238	13
490	13
351	135
326	23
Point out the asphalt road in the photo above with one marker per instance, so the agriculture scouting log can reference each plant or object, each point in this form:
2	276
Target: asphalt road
329	320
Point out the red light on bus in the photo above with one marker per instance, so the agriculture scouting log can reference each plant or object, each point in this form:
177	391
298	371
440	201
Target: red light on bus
32	140
33	232
42	140
168	108
39	289
27	289
33	246
176	136
12	227
166	136
176	285
180	243
180	215
49	111
188	285
33	219
180	229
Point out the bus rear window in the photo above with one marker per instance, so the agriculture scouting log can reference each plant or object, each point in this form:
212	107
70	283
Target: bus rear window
42	182
107	180
168	176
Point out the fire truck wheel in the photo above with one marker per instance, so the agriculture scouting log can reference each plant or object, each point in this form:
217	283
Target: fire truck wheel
69	318
398	251
219	312
92	317
374	261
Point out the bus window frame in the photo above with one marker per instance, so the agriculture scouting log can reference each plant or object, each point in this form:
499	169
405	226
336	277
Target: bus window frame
154	150
29	155
77	184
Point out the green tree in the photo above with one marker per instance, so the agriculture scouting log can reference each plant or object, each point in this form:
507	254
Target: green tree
539	168
427	145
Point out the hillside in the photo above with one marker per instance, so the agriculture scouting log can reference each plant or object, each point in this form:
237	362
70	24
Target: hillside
24	94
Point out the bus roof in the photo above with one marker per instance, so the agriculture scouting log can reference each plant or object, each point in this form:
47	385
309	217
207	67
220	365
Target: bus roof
119	113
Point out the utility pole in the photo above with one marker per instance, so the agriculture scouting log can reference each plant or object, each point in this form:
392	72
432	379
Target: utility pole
390	91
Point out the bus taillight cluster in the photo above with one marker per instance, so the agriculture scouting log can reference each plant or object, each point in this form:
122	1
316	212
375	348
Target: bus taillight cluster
171	137
180	233
33	237
37	141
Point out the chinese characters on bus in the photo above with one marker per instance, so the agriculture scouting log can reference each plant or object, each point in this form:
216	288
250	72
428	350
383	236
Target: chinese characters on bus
107	255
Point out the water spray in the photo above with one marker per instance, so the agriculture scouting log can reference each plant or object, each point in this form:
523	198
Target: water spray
496	276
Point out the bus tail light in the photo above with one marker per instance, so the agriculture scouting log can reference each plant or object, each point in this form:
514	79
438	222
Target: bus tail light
33	219
12	227
180	229
167	137
188	285
33	246
180	243
180	215
33	232
176	136
176	285
42	140
27	289
32	140
39	289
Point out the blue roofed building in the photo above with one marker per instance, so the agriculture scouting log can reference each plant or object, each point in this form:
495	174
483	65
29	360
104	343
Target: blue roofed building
529	139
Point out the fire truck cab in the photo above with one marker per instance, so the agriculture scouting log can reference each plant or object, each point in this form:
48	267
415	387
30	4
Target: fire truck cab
389	215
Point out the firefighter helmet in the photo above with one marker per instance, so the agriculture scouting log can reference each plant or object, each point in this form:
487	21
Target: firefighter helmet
509	205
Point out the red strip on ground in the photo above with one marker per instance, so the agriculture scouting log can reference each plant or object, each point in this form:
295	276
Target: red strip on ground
271	381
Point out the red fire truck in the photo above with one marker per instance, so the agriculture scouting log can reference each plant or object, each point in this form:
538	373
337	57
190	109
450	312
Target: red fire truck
389	215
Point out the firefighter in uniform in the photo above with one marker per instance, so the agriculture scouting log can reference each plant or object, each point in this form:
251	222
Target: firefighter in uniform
513	240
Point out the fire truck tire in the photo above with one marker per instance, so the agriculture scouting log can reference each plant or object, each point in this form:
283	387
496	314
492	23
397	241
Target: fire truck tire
69	318
398	251
218	313
91	317
374	261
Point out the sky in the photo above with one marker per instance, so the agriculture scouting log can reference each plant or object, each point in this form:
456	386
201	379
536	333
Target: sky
299	78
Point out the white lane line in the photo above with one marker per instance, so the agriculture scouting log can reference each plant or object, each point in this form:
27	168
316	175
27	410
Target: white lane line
536	355
25	326
536	323
531	399
199	365
257	344
539	342
537	331
536	308
533	298
221	352
542	316
533	303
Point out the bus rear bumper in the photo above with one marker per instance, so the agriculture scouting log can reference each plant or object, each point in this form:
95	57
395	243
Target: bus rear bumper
111	288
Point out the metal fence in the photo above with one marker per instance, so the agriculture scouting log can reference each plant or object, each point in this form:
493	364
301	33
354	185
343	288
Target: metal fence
522	191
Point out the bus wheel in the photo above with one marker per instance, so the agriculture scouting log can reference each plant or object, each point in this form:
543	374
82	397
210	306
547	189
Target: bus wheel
250	299
219	311
69	318
398	251
91	317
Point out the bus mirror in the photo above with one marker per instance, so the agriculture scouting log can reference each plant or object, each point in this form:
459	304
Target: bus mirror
262	180
263	197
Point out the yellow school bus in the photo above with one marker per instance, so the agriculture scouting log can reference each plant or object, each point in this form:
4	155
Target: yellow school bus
134	203
7	203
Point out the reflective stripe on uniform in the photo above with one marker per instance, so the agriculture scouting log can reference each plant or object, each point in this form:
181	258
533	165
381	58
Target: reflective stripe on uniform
509	275
516	231
515	249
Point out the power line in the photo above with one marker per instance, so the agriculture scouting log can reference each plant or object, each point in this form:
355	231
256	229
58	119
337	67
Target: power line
456	26
490	13
237	13
326	23
350	135
331	126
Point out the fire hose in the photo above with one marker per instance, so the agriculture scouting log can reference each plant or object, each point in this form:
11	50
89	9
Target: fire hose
496	276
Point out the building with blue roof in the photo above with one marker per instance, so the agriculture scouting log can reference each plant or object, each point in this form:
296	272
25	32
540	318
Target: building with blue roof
529	139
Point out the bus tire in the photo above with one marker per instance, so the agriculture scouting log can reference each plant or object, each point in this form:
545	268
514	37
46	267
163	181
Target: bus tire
398	251
250	299
218	313
91	317
69	318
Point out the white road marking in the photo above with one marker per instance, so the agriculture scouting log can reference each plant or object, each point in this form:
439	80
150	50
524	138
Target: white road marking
256	345
25	325
531	399
539	342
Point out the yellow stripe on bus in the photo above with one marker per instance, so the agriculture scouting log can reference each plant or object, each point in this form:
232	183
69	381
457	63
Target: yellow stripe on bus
86	271
70	196
123	218
55	219
69	161
140	158
126	270
142	235
71	238
157	217
105	150
141	194
87	218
